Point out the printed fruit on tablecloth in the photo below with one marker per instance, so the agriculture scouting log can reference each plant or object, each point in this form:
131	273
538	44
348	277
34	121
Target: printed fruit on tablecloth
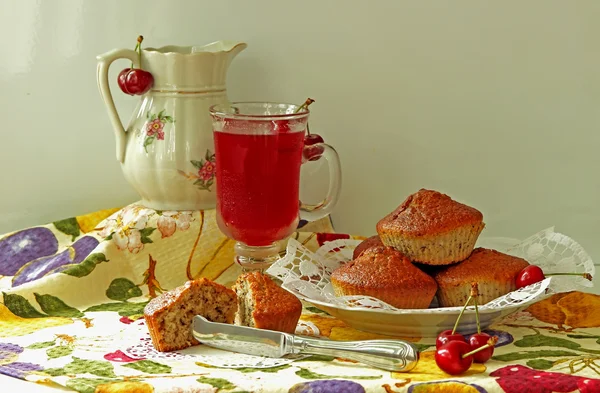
573	309
72	255
19	248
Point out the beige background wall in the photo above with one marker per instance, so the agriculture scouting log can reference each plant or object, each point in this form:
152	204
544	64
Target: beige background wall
495	103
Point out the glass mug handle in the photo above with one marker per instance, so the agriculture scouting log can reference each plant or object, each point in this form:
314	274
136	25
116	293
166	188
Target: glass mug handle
322	209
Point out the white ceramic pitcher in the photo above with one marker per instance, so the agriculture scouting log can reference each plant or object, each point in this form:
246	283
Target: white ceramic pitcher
167	151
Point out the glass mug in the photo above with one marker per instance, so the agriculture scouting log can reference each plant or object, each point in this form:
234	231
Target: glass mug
259	148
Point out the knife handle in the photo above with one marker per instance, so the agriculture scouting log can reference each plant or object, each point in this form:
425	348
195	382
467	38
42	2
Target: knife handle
390	355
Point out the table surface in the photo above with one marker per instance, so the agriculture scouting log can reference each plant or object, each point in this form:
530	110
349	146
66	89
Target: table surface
127	248
10	384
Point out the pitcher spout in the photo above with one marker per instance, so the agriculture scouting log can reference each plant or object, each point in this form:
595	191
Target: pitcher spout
191	69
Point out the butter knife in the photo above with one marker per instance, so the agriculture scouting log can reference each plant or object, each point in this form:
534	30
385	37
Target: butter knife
390	355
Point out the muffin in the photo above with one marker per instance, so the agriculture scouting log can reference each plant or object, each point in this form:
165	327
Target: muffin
169	316
384	273
373	241
431	228
493	271
263	304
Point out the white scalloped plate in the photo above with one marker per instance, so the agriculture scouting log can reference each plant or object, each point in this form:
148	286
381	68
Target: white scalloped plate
420	323
306	275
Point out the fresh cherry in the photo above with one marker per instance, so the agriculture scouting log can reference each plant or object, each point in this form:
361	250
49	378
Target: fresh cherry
448	335
479	340
532	274
312	152
456	357
312	142
121	80
135	81
449	357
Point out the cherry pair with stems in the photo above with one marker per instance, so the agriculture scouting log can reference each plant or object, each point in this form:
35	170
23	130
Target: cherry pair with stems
454	354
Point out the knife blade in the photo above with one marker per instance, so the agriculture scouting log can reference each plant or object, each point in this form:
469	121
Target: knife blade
390	355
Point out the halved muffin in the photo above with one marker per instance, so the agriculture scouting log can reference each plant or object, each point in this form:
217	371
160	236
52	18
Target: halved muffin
493	271
384	273
431	228
264	305
372	241
169	316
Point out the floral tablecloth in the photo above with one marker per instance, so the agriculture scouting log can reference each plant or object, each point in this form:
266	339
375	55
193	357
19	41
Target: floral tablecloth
70	288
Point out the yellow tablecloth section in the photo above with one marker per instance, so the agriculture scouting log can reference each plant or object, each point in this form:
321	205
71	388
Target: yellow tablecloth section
68	284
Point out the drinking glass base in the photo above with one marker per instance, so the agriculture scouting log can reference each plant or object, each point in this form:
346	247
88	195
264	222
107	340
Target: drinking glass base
255	257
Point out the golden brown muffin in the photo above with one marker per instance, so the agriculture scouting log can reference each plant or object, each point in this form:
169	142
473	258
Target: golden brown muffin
264	305
493	271
373	241
169	316
384	273
431	228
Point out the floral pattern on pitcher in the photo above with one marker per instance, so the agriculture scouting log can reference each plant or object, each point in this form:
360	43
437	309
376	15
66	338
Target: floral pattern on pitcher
154	127
207	170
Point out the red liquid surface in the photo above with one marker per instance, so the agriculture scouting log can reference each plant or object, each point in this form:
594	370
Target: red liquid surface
257	185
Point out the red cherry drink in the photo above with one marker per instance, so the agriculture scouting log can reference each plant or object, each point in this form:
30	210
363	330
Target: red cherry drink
257	182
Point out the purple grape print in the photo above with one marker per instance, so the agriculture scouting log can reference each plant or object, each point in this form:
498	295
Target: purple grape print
19	369
327	386
40	267
10	352
24	246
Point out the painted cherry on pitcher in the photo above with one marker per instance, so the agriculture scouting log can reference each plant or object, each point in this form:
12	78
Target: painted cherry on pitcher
135	81
532	274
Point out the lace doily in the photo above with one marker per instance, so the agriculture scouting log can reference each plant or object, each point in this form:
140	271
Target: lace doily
142	348
306	274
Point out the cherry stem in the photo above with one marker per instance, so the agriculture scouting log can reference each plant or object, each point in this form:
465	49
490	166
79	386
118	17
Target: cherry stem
587	276
474	295
491	342
138	50
305	106
460	315
477	316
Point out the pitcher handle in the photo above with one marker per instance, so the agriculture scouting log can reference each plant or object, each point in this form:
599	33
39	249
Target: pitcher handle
322	209
104	62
